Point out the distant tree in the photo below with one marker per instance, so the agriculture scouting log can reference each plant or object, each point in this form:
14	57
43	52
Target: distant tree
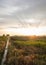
3	35
7	35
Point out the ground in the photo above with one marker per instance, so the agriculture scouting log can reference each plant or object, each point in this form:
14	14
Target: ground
24	50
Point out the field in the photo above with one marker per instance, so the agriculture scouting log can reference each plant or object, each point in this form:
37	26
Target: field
24	50
2	46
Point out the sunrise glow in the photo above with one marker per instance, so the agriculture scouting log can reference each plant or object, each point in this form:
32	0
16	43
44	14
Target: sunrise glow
25	31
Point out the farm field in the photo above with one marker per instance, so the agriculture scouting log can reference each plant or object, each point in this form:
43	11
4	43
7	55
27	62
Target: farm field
24	50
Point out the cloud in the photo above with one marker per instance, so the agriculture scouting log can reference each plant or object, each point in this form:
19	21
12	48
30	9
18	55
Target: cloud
1	18
23	13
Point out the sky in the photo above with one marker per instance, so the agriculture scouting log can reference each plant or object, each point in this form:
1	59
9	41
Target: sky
23	17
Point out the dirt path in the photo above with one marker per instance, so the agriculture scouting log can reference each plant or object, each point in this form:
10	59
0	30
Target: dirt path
5	52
